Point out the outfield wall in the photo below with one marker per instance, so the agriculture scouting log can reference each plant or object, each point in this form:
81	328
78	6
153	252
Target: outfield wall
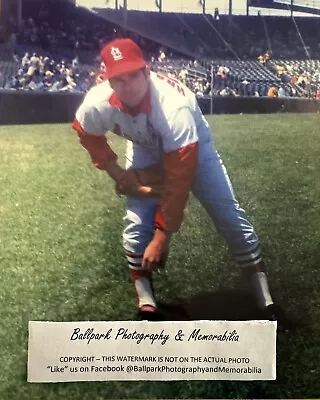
19	107
258	105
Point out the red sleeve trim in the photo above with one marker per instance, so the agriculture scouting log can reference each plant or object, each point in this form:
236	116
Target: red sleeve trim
160	222
100	152
180	169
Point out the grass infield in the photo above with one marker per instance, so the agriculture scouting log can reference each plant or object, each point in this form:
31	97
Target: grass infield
61	255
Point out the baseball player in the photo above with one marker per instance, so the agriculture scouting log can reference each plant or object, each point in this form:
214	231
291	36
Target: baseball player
170	153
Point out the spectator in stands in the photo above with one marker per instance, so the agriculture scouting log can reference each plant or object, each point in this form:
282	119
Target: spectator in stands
280	70
207	87
35	85
35	61
183	74
71	84
223	71
198	88
25	62
31	71
171	74
41	69
265	57
75	65
48	80
85	85
162	56
318	94
57	86
272	91
302	80
293	92
227	91
12	83
282	92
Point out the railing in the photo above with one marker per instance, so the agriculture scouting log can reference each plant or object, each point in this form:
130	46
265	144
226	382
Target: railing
303	3
195	8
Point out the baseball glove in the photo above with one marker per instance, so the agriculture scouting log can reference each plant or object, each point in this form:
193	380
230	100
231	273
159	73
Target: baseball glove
141	182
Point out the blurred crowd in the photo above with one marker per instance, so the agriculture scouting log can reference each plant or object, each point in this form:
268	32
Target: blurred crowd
41	73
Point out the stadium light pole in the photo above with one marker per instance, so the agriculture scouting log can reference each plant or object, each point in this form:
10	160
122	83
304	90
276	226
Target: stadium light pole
211	97
202	3
230	8
19	13
159	5
230	30
125	16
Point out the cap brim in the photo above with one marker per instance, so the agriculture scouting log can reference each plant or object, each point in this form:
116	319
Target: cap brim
124	68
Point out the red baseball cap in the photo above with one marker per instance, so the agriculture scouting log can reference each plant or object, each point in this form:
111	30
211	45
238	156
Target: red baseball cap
122	56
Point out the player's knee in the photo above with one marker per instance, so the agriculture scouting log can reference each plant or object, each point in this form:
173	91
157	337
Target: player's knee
136	238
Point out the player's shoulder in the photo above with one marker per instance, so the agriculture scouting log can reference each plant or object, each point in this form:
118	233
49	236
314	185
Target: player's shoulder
98	93
168	87
95	101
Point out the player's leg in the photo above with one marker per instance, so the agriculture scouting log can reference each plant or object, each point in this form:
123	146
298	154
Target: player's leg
138	232
213	188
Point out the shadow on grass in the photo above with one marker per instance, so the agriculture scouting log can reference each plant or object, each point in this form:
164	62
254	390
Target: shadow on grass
225	304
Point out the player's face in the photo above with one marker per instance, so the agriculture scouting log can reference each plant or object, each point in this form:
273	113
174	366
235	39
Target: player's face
131	87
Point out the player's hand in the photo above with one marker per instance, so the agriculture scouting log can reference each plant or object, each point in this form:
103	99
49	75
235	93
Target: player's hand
146	182
152	256
154	251
127	183
149	176
128	177
135	190
139	191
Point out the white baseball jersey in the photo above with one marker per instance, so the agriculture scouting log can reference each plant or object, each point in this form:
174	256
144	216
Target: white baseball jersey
169	123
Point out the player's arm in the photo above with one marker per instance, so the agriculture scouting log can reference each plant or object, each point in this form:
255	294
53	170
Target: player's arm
89	127
146	182
180	168
180	164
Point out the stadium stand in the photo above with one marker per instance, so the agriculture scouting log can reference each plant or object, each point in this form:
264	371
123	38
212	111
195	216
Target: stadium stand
234	37
213	57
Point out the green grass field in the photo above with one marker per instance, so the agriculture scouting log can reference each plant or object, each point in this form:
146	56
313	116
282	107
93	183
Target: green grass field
61	255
